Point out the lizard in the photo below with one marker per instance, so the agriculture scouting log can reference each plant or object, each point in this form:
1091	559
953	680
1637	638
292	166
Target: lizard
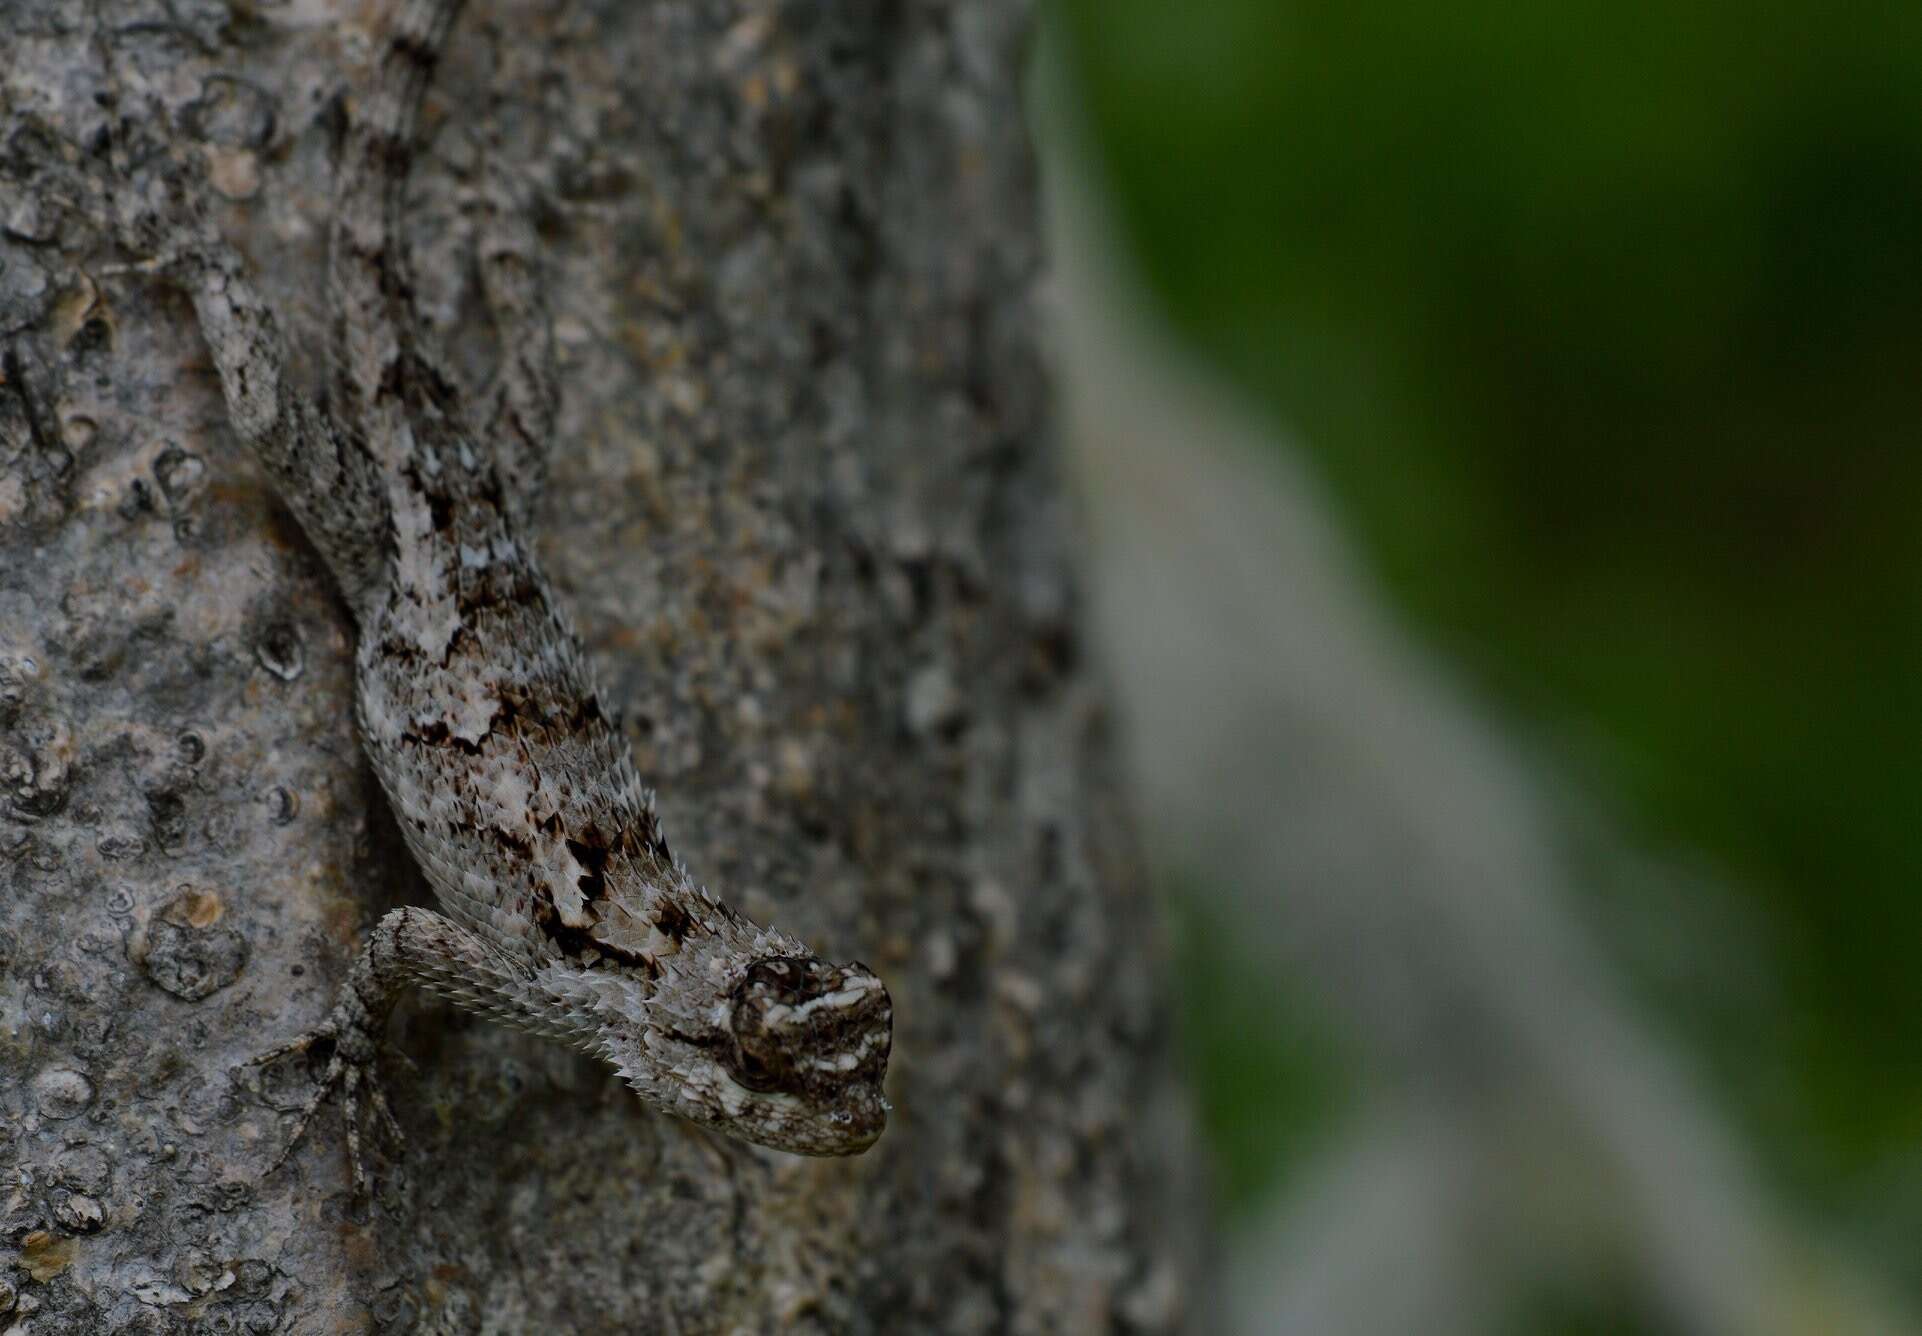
561	908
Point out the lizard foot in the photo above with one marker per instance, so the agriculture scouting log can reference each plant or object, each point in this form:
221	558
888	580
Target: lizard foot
349	1050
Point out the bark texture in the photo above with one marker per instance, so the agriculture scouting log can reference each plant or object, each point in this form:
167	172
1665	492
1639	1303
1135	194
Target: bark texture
805	517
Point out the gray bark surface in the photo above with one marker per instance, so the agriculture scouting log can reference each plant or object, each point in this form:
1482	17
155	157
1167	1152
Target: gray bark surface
806	518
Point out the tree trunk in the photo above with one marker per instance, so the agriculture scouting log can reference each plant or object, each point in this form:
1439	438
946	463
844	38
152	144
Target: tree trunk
804	515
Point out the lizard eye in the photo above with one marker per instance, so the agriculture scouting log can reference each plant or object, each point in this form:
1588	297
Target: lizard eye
762	1043
808	1028
751	1073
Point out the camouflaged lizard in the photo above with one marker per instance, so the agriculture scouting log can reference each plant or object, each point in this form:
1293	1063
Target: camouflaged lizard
561	908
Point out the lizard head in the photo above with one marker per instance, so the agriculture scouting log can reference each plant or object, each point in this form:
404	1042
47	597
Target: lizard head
788	1051
808	1044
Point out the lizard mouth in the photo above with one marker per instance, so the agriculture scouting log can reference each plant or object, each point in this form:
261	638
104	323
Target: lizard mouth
855	1124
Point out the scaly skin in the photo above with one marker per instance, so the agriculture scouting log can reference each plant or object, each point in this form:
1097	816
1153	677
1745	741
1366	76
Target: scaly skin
562	910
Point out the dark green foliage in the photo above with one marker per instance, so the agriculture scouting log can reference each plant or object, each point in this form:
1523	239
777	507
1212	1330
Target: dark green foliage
1267	1070
1605	324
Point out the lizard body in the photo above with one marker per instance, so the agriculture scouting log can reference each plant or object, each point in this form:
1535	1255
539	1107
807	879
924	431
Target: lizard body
562	909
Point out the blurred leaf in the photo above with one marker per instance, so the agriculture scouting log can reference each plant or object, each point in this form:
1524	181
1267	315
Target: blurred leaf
1602	320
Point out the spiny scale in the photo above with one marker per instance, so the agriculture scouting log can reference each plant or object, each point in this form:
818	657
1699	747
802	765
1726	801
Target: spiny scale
564	912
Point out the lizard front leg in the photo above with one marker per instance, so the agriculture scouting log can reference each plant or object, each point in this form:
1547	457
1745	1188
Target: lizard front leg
408	946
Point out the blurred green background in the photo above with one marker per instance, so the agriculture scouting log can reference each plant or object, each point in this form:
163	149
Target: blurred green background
1604	325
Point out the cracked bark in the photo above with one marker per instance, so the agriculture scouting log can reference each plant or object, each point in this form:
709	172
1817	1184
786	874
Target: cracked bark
804	514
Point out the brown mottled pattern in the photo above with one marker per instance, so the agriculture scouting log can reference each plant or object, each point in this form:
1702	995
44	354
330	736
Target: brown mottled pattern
562	909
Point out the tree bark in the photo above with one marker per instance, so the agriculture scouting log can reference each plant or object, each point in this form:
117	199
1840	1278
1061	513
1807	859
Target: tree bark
805	516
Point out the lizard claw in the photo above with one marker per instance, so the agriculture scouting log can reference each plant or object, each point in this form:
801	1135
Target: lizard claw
350	1071
389	1124
299	1044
